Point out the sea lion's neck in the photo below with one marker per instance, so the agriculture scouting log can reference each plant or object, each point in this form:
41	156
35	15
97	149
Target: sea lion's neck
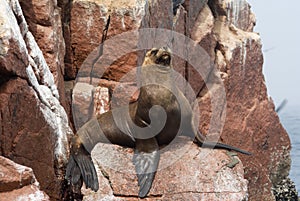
158	85
156	74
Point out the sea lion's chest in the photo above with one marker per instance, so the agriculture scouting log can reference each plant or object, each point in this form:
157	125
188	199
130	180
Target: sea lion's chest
165	97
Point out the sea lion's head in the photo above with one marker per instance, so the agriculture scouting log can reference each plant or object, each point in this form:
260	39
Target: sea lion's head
161	56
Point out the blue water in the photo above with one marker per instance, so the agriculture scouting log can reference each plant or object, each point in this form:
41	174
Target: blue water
290	119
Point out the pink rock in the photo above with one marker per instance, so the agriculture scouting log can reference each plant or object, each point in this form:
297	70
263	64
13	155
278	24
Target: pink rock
125	16
17	182
45	25
31	193
34	125
185	172
237	12
14	176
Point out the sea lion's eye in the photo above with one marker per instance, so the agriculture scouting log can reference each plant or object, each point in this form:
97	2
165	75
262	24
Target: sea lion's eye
154	52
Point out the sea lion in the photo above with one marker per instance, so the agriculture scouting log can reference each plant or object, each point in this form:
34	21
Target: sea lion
160	113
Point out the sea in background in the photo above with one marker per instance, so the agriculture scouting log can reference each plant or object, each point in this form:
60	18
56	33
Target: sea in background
290	119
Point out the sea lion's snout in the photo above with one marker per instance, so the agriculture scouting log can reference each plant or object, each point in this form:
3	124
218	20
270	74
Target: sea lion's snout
163	56
160	56
164	59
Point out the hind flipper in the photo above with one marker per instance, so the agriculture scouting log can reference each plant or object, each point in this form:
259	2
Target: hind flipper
224	146
146	158
216	145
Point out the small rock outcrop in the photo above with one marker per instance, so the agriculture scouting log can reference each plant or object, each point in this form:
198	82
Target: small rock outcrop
185	172
18	182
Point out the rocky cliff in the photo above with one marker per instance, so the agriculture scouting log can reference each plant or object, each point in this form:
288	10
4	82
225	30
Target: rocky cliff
34	125
46	44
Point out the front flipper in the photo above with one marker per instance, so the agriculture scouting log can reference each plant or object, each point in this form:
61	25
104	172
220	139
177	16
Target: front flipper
81	167
146	158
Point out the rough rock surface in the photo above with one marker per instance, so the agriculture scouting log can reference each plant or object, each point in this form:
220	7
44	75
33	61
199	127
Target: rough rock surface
185	172
18	182
237	12
86	35
44	22
251	121
34	125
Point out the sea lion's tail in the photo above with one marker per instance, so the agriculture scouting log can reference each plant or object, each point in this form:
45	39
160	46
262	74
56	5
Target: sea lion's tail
217	145
81	167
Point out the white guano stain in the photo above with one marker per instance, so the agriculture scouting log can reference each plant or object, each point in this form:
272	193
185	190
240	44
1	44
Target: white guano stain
234	8
42	81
